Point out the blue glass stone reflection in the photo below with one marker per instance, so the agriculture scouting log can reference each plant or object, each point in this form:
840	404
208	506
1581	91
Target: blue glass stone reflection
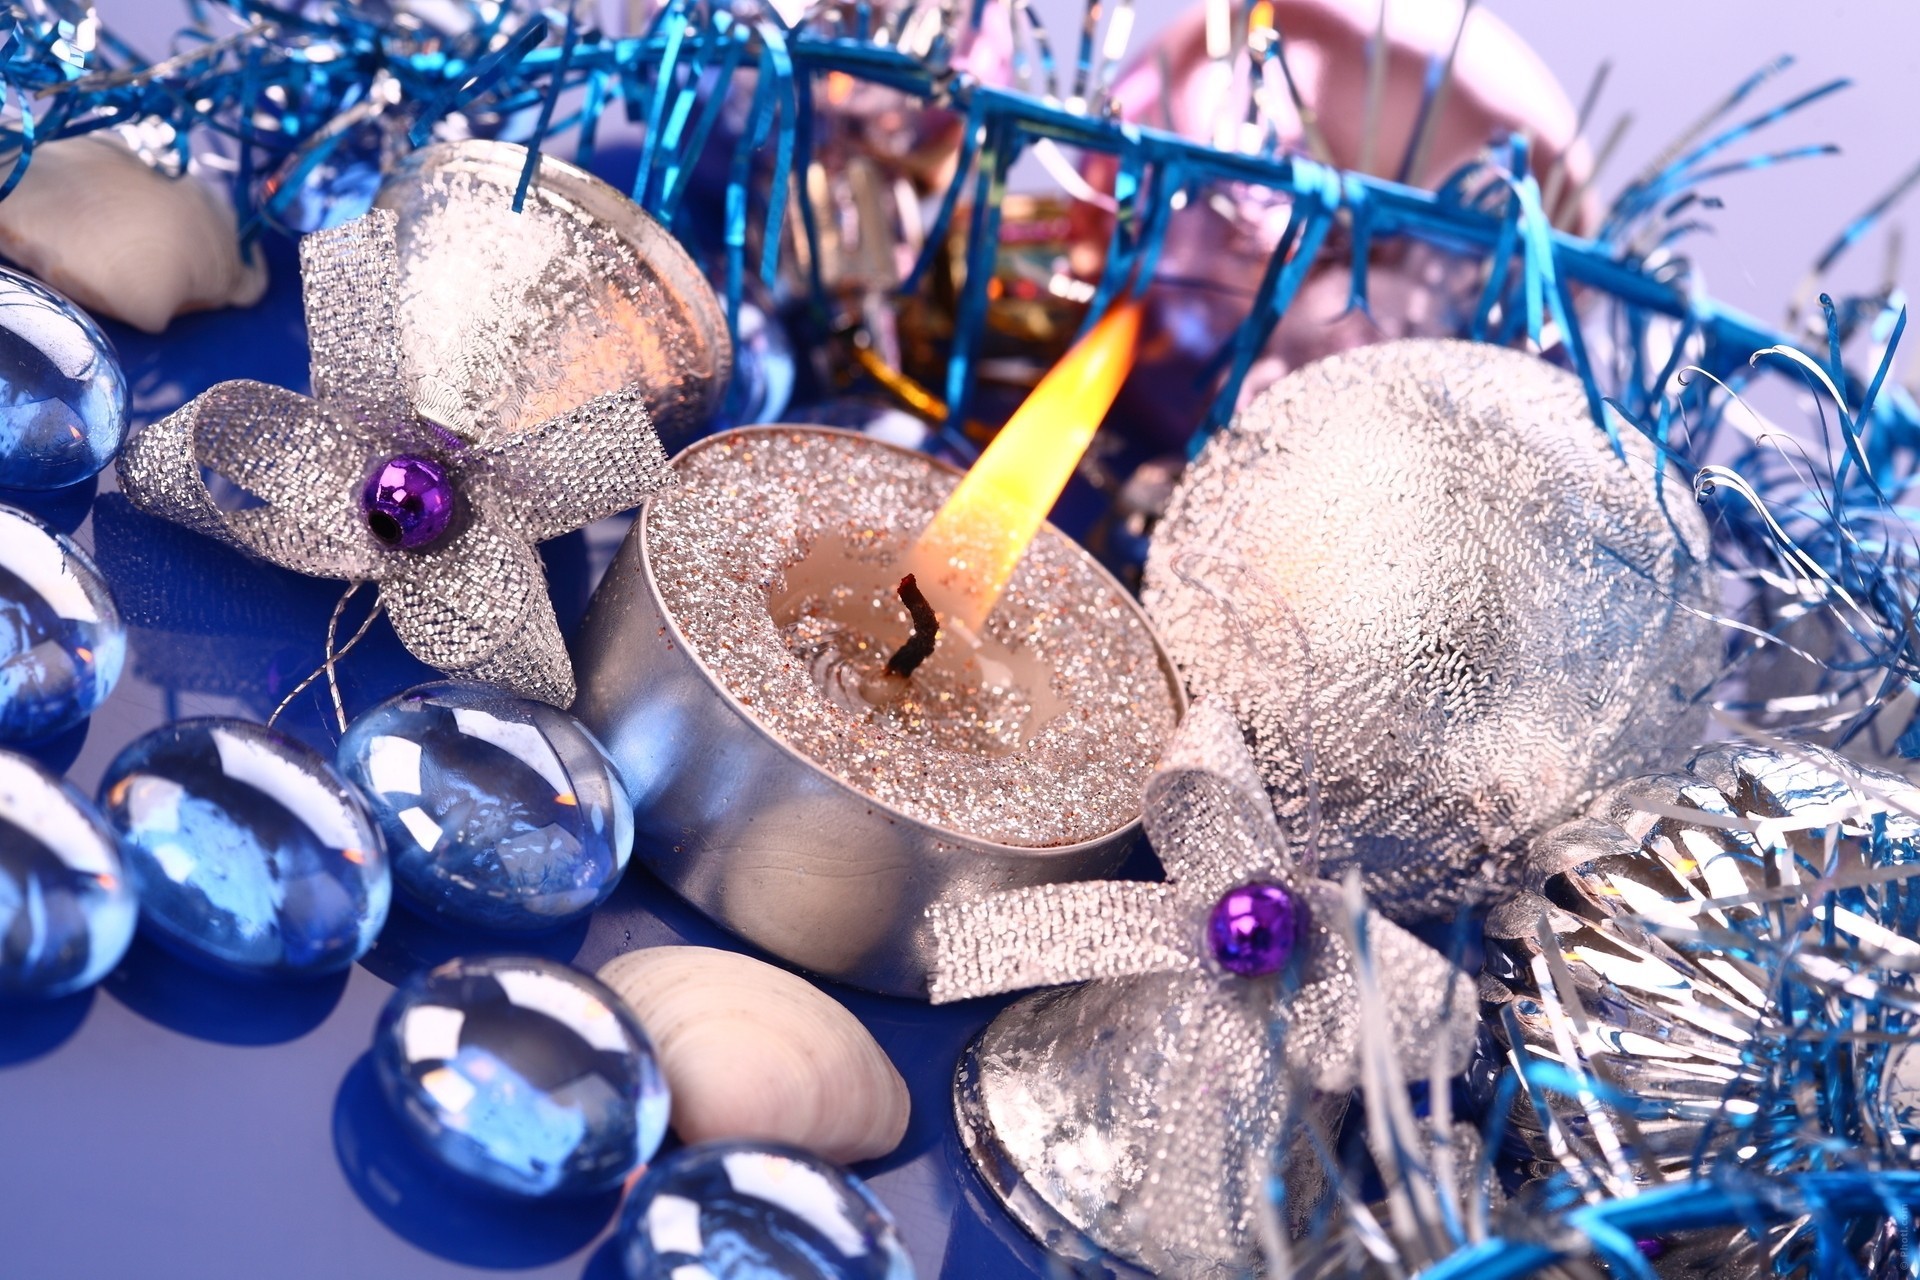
333	178
66	908
499	812
524	1074
247	849
755	1211
61	639
763	363
63	397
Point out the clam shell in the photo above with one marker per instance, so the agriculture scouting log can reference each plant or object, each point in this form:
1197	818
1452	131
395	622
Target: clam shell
102	226
751	1051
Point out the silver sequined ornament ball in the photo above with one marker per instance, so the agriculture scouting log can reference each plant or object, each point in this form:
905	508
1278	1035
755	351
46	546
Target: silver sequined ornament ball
1424	578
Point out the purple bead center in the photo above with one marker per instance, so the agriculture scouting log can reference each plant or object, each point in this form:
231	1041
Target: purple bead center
1254	929
409	502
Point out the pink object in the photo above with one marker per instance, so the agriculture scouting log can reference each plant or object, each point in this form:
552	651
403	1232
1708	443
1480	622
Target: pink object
1213	259
1499	86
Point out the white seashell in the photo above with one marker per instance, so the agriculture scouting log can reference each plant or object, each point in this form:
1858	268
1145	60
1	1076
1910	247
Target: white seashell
103	227
751	1051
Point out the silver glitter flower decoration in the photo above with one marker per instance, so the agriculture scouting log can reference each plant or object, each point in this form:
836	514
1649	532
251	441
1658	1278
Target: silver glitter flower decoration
1144	1110
283	476
1497	613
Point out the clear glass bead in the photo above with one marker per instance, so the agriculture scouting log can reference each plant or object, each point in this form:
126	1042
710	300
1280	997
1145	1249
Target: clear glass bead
752	1211
247	849
500	812
333	177
763	362
66	908
63	397
61	639
522	1073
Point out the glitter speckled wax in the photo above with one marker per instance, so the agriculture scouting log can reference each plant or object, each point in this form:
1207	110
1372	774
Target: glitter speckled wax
724	662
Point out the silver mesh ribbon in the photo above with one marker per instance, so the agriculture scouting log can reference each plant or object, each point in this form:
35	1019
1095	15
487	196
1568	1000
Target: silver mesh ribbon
1221	1071
279	475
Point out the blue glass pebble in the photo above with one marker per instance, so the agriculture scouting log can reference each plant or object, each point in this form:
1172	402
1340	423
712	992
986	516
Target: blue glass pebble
63	397
523	1074
500	812
333	178
247	849
754	1211
61	639
66	908
764	369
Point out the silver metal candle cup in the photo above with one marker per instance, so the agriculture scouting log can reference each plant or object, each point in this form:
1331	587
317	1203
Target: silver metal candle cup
759	836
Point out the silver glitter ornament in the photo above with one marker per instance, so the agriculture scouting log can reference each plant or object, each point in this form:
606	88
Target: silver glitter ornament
508	319
526	356
1469	612
1144	1111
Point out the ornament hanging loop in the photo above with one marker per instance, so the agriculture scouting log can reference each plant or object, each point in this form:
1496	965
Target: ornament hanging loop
330	667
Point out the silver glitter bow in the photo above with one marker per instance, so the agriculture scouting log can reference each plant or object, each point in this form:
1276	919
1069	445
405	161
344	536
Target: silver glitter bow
1204	1086
474	603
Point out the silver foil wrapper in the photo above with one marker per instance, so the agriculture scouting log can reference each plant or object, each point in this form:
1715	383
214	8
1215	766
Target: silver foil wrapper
528	353
1672	901
1466	611
1739	966
1141	1114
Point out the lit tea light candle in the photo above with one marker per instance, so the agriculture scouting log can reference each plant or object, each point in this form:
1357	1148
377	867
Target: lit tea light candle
970	691
735	662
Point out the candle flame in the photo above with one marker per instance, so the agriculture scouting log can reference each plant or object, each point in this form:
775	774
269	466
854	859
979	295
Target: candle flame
972	546
1262	32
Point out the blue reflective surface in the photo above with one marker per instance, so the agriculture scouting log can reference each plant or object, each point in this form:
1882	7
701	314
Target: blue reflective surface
66	909
247	849
172	1125
63	397
522	1073
764	371
333	178
500	812
61	639
746	1211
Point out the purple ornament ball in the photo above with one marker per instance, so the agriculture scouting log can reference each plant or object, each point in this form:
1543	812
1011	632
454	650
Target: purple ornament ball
1254	929
409	502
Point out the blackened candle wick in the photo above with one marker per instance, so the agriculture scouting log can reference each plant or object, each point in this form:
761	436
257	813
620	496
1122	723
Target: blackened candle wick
926	631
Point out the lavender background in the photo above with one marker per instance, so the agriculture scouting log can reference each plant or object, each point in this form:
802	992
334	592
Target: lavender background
1673	60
